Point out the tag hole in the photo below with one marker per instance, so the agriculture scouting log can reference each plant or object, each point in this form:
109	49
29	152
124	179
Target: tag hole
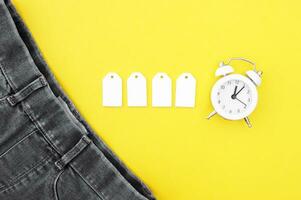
161	76
186	77
112	76
136	76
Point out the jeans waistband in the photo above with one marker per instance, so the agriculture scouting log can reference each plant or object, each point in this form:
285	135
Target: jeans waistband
42	98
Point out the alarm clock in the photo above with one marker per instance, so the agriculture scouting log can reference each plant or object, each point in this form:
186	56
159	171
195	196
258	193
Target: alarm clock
235	96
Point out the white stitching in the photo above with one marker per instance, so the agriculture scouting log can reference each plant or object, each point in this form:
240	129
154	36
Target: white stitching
14	145
19	179
55	184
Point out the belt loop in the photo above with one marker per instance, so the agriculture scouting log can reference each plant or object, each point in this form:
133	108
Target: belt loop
26	91
73	152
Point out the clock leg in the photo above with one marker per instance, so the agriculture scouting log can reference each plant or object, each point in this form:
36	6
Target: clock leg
247	120
211	114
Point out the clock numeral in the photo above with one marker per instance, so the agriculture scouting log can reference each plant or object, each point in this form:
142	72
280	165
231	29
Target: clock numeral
230	111
237	81
229	82
222	87
249	99
238	110
223	106
219	101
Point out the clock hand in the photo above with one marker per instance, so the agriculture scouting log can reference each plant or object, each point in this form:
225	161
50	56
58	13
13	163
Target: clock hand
239	91
241	102
233	95
235	90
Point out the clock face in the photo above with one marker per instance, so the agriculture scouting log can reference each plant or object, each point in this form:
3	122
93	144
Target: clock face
234	97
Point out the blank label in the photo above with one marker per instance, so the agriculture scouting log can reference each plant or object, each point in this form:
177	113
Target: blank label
185	90
161	90
136	90
112	90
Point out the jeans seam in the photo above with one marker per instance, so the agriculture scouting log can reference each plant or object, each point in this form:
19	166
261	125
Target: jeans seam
9	81
55	183
100	194
28	112
17	143
19	178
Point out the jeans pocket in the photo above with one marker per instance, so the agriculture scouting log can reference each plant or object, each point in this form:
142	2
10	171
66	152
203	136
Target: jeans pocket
23	160
70	185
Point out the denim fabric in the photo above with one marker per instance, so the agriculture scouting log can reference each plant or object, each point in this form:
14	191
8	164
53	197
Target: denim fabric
47	150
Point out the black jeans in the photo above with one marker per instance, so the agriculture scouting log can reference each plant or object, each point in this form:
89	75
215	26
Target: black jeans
47	150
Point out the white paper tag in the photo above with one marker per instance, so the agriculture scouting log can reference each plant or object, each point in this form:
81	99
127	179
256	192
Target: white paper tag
136	90
112	90
161	90
185	90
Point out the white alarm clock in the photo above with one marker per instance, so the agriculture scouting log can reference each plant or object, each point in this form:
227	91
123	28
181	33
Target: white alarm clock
235	96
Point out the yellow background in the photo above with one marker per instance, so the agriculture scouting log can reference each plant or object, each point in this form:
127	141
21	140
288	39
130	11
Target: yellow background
177	152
